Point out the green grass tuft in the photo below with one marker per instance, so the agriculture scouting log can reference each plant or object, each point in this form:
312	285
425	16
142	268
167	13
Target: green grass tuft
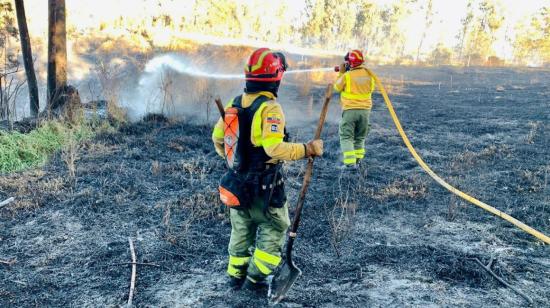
22	151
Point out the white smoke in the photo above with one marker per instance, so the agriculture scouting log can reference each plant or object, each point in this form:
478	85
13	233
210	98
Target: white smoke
172	84
181	65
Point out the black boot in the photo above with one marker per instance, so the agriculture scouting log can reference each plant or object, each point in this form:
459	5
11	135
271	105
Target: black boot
259	288
235	283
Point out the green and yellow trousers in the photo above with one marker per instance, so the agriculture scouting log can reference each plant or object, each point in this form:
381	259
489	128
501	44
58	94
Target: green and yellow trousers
354	128
257	239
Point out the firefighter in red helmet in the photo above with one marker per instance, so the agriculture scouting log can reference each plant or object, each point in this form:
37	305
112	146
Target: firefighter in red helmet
355	85
253	188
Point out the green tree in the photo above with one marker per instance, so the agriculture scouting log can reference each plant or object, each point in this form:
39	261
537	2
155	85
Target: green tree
428	19
315	30
441	55
368	26
532	43
217	18
466	23
393	43
481	37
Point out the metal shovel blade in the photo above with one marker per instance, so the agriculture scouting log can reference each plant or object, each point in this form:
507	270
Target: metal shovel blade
283	279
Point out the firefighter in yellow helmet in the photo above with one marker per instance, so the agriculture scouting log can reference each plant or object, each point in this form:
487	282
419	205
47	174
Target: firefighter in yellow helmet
355	85
251	137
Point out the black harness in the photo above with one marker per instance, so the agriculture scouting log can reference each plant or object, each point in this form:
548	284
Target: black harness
249	158
251	176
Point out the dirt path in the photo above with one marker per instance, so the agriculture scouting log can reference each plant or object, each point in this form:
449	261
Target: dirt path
390	238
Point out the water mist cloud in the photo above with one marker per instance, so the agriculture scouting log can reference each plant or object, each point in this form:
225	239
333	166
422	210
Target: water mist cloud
173	85
184	85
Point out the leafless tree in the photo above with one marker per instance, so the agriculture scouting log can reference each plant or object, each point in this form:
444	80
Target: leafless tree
10	83
57	52
27	57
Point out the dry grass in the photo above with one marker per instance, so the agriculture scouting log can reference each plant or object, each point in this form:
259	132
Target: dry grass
116	113
534	181
534	127
31	188
178	144
195	170
108	74
155	167
167	92
69	154
469	158
196	208
342	220
98	149
410	188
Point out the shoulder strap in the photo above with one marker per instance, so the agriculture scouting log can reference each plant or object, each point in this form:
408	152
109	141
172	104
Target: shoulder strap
258	103
237	101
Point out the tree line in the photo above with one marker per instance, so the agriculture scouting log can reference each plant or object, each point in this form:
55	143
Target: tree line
322	24
368	25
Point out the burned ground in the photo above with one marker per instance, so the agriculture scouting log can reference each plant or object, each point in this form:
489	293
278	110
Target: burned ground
390	237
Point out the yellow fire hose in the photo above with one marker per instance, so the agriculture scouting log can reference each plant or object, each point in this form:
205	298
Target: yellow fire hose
541	236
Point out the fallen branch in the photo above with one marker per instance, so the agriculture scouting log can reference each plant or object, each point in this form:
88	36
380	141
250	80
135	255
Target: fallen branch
8	262
6	202
134	263
488	269
134	270
20	282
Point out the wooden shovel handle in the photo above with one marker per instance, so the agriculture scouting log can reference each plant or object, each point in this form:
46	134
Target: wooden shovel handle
309	167
220	107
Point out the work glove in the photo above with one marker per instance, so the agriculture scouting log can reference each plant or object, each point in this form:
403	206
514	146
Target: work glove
314	148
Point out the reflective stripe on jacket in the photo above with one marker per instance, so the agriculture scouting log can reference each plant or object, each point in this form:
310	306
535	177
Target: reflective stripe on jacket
267	131
356	87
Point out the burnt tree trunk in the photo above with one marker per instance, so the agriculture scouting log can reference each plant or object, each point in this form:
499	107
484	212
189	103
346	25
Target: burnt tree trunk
57	53
27	57
63	100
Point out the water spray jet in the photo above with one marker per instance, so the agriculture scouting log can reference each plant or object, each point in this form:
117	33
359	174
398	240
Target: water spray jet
178	64
149	95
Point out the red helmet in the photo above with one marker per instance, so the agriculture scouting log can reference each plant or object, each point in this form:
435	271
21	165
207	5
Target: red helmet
354	58
265	66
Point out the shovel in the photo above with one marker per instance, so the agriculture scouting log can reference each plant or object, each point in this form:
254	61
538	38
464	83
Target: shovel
288	272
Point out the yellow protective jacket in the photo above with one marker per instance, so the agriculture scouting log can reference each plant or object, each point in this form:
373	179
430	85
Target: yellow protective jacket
356	87
268	126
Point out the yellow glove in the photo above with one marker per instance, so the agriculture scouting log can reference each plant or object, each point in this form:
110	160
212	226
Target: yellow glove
314	148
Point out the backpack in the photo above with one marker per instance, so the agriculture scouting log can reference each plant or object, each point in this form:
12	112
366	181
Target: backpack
244	160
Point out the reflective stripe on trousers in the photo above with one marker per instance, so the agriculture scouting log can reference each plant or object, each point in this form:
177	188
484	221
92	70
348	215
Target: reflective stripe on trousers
349	158
353	130
265	262
237	266
263	230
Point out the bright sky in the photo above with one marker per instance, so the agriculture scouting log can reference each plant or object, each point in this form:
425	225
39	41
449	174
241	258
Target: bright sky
448	13
446	23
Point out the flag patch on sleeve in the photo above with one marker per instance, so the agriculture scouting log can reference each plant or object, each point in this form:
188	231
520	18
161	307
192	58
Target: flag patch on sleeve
274	128
273	118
